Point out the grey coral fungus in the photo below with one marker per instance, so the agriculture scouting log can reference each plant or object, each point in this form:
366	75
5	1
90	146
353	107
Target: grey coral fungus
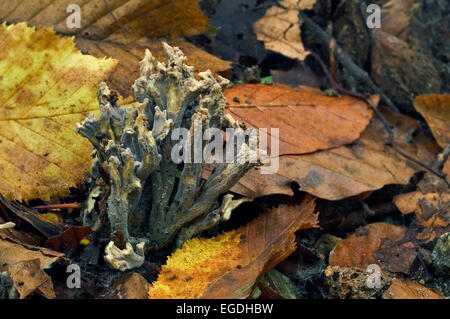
152	199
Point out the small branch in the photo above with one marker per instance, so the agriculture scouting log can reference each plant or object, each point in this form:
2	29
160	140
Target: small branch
60	206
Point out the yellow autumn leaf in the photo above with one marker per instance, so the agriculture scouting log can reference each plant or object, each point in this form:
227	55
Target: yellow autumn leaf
228	265
46	87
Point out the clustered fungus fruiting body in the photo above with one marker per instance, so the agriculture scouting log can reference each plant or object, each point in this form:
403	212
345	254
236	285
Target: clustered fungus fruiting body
152	201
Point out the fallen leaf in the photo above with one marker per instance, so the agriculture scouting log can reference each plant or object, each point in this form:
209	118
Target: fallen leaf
356	251
46	86
102	19
436	111
279	29
366	165
407	289
129	52
307	119
12	253
396	256
130	286
398	68
69	239
396	16
123	29
228	265
432	211
28	277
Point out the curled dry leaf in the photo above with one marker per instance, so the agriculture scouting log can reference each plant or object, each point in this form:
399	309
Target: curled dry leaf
396	16
308	120
28	277
46	87
228	265
357	250
432	211
407	289
436	111
279	29
368	164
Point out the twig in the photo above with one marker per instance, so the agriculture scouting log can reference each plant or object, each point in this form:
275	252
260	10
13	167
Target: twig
388	127
346	61
60	206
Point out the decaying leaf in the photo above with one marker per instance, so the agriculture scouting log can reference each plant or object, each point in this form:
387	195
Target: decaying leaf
279	29
308	120
46	86
102	19
357	250
130	286
12	253
436	111
28	277
228	265
407	289
25	267
122	29
432	211
368	164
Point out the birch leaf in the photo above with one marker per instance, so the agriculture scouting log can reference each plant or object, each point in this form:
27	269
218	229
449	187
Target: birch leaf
46	87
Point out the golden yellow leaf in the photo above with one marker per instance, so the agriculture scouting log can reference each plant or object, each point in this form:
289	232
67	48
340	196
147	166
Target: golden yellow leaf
46	87
228	265
279	29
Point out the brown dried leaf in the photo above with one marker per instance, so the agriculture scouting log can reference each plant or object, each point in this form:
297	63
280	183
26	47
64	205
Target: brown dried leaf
345	171
12	253
407	289
228	265
432	211
436	111
279	29
130	286
102	19
28	277
357	250
396	16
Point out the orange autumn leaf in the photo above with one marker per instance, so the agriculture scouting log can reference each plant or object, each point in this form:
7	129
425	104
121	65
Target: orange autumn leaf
228	265
357	250
337	173
436	111
407	289
308	119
